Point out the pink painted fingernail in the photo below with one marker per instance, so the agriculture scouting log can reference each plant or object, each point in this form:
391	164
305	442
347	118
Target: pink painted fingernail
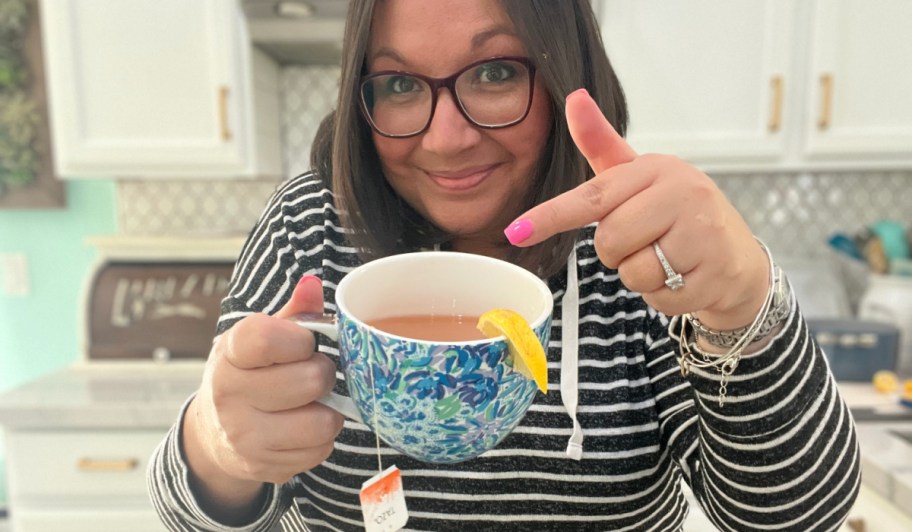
519	231
308	279
577	91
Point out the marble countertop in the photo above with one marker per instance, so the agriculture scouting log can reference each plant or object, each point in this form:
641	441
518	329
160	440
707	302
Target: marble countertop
104	396
140	395
885	437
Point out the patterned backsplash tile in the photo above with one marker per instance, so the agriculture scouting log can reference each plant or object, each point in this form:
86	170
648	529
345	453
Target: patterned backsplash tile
309	93
794	213
191	207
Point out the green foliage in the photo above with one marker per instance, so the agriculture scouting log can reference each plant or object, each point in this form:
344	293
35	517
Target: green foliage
18	128
19	117
13	16
12	71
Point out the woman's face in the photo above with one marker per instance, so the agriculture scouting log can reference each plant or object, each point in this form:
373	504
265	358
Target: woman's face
465	179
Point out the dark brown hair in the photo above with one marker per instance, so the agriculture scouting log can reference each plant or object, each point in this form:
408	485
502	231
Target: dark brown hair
561	38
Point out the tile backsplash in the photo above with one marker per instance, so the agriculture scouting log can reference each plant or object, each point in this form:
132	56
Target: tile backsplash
222	206
308	94
794	213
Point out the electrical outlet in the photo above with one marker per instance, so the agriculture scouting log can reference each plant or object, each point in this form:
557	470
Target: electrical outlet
14	273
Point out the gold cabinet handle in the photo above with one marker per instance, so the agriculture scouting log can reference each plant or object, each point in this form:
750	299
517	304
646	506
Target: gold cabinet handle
775	116
826	101
93	465
223	114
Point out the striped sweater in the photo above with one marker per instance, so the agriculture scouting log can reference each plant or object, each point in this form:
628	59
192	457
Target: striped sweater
781	453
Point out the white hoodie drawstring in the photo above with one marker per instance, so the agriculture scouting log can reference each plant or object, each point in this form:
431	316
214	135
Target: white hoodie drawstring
569	375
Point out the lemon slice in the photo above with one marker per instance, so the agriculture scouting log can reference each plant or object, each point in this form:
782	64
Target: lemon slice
885	381
528	355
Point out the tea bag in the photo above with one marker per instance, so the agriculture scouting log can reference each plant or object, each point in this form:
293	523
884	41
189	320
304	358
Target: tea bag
383	502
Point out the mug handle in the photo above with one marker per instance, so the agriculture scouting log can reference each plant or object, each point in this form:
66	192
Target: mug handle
325	324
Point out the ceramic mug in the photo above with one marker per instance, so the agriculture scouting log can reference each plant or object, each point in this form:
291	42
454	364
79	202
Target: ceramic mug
436	401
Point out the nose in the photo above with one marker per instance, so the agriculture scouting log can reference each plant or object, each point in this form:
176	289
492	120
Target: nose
449	132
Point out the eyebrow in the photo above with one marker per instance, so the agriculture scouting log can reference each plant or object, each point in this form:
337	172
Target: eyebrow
477	41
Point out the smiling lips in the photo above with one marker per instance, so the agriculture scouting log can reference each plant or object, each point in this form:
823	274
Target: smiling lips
460	180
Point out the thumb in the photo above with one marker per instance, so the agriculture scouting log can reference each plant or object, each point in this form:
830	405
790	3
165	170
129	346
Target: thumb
604	149
306	298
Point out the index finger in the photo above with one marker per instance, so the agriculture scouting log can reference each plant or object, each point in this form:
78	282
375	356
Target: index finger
604	149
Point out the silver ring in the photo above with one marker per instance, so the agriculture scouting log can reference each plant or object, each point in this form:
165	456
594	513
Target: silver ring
673	279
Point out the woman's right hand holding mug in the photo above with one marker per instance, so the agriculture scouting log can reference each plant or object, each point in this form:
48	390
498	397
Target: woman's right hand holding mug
255	418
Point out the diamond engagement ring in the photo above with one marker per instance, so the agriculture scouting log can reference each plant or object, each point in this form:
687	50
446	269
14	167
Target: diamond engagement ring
673	279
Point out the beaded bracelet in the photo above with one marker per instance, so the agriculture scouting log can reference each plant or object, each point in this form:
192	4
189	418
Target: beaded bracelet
691	356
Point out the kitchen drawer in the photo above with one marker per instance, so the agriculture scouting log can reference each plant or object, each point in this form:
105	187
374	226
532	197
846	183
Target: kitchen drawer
86	520
83	463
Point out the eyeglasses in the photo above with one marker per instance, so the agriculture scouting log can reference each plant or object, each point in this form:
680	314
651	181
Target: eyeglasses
491	93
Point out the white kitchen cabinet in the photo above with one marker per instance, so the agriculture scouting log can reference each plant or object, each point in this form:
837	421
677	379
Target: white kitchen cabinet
77	444
704	79
168	88
860	83
766	84
81	480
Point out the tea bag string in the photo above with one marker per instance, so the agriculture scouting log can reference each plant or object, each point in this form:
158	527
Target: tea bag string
370	365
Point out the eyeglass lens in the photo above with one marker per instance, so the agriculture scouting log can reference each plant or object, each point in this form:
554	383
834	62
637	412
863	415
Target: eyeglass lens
491	94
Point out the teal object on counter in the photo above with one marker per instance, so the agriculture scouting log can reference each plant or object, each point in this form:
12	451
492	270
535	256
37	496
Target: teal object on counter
892	236
845	245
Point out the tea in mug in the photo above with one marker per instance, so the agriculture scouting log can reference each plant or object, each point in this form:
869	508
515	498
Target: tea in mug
431	327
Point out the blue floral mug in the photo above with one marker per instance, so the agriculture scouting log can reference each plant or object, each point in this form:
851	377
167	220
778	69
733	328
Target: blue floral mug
435	401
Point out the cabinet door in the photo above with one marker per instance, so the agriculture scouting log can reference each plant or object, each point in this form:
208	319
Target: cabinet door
860	80
144	87
704	80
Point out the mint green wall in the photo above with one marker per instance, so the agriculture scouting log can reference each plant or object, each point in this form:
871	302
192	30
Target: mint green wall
39	332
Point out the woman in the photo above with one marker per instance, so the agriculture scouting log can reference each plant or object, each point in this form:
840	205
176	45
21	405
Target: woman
452	125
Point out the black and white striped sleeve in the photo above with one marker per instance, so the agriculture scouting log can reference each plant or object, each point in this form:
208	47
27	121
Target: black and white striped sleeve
169	488
780	452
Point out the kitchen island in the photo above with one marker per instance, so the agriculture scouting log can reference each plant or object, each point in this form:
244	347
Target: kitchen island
78	443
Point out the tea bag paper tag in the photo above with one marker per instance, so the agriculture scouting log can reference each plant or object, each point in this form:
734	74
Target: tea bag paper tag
383	502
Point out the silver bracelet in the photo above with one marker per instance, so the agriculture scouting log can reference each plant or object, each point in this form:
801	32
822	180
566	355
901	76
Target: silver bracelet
691	356
779	311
